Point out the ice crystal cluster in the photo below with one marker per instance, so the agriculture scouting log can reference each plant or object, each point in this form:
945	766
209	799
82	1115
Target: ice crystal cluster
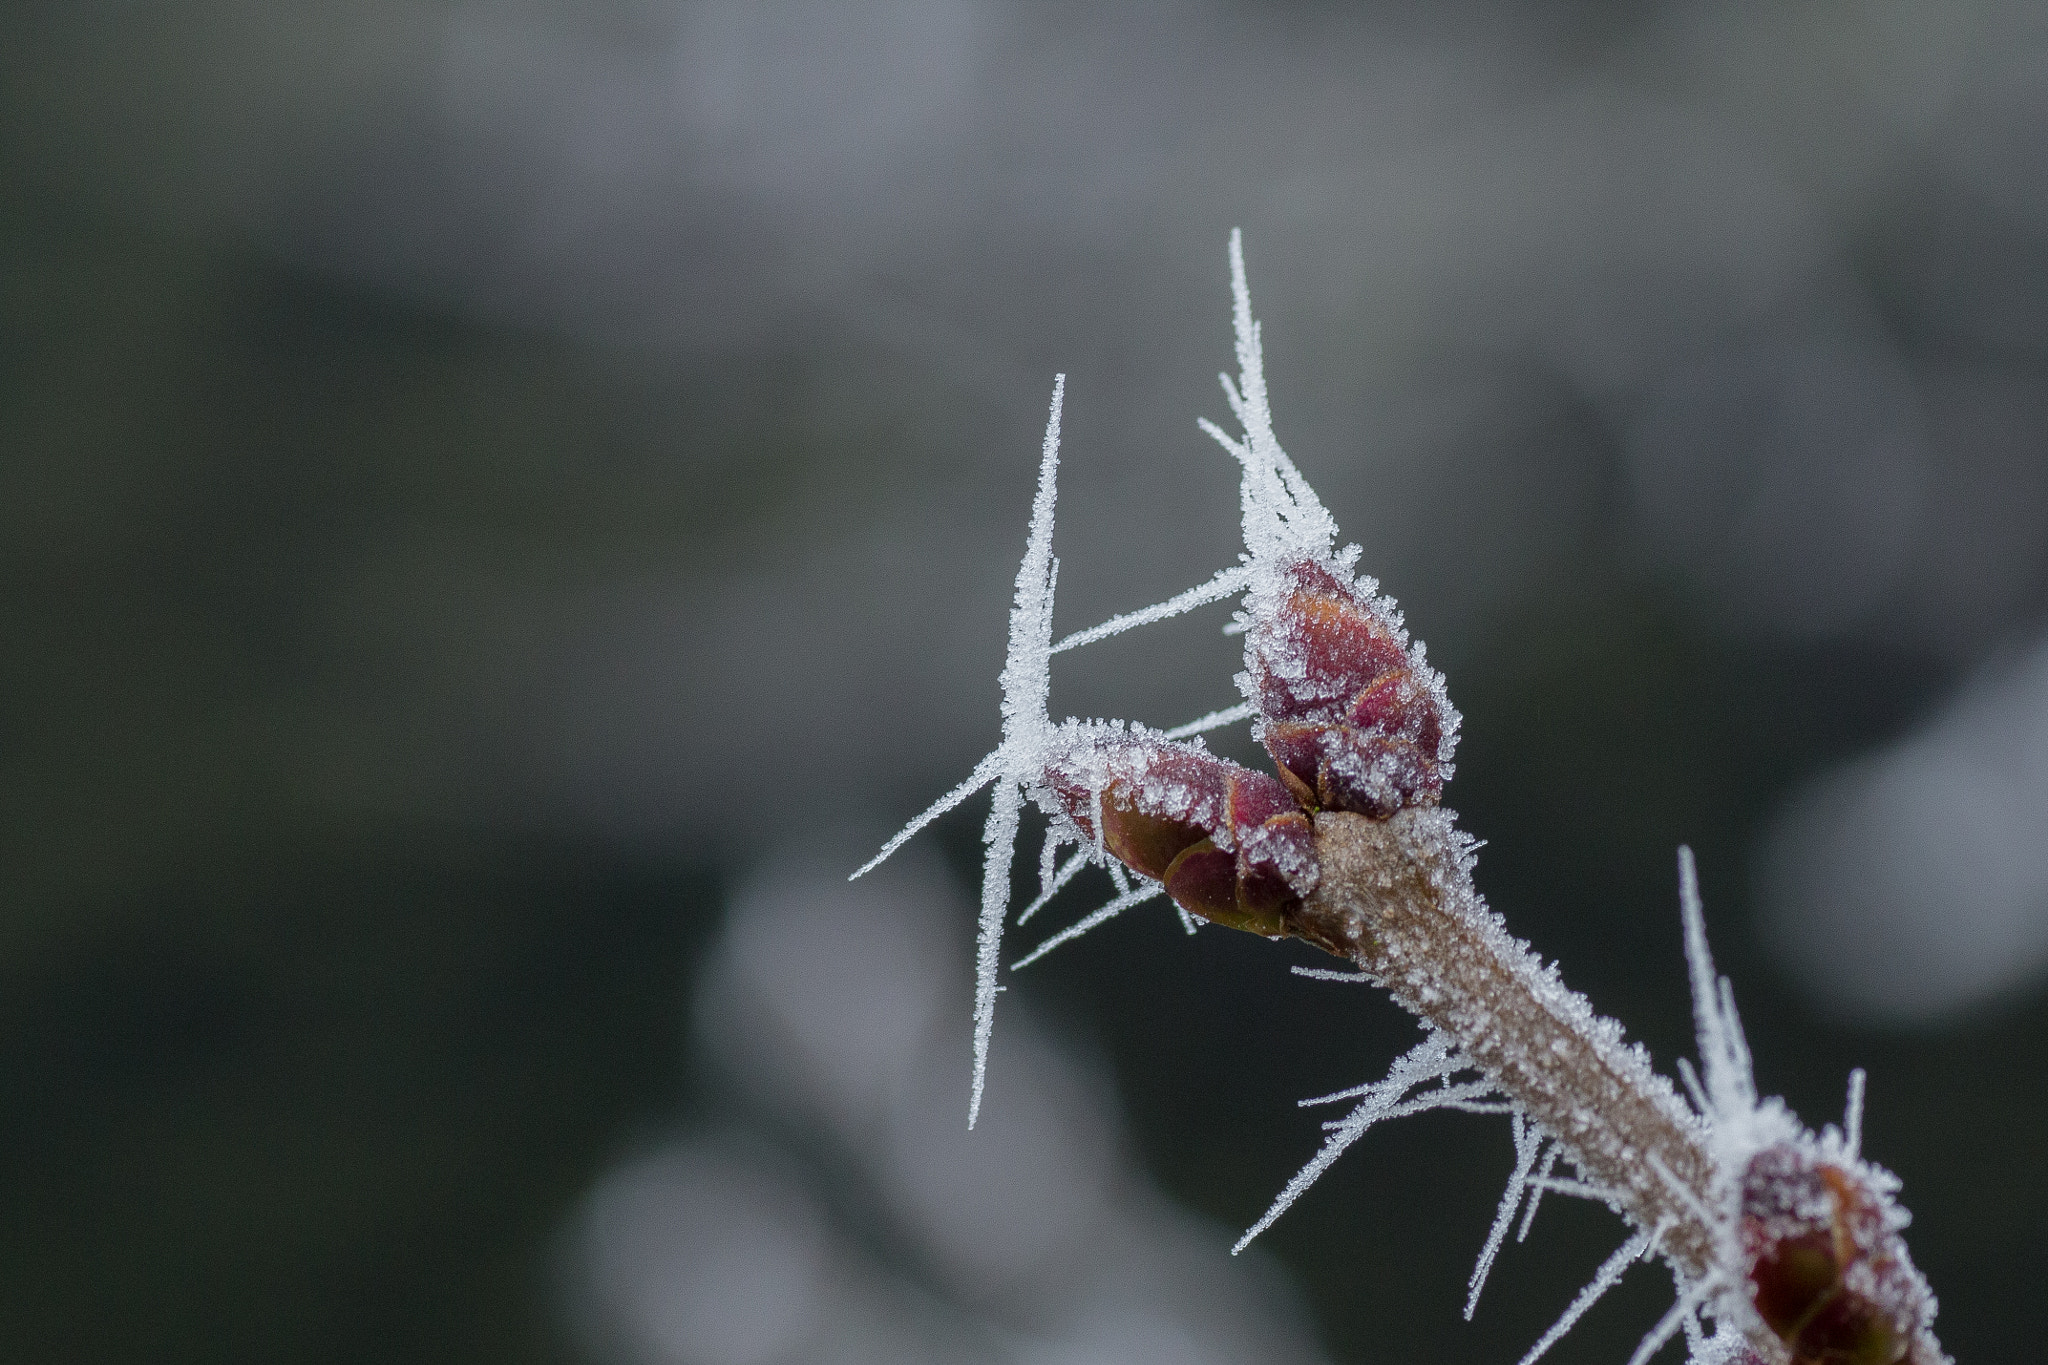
1783	1244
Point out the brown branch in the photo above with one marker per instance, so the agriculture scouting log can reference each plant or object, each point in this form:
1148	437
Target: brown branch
1396	897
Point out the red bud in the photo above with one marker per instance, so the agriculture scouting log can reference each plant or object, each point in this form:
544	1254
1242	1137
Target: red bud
1230	844
1344	711
1828	1273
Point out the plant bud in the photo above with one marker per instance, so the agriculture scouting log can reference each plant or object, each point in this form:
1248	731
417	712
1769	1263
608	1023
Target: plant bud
1229	844
1828	1272
1345	712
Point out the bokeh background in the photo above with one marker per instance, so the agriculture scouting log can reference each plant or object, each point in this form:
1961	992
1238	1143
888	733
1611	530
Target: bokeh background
504	502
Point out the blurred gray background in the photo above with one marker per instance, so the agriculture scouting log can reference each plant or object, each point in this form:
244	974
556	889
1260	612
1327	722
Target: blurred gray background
501	499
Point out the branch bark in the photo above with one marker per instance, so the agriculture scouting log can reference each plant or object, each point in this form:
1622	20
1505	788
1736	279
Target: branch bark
1396	897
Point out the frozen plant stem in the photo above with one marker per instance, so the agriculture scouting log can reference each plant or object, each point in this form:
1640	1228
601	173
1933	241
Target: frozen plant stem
1396	897
1786	1240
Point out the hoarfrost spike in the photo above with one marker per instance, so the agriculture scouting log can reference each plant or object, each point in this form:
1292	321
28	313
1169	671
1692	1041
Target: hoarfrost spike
1426	1061
1027	684
1605	1278
1215	720
1527	1142
1325	974
1226	583
1679	1314
1137	895
984	772
1724	1054
1852	1116
998	838
1536	1191
1068	869
1284	521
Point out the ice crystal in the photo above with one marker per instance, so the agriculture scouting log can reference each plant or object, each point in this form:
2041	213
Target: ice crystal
1434	1058
1137	895
1605	1278
1016	763
1728	1098
1528	1141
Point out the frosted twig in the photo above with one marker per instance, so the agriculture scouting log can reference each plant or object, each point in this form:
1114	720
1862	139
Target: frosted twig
1226	583
1134	896
1396	897
1605	1278
1527	1142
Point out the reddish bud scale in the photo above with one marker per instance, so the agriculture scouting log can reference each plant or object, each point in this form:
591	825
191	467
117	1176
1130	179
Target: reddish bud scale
1229	844
1828	1273
1342	709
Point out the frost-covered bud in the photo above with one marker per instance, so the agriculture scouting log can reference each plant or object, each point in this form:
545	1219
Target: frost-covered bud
1229	844
1827	1270
1354	721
